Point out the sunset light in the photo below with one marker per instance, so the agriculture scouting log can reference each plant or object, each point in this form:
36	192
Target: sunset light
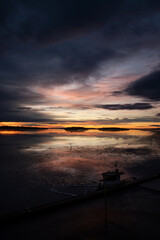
79	119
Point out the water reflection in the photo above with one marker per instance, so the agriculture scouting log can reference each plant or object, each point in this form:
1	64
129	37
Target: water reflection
32	161
68	158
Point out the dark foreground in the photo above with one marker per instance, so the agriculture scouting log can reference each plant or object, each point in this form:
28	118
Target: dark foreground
132	213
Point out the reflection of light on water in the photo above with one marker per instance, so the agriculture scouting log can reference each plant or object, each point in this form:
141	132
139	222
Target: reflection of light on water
87	156
126	145
95	138
72	141
61	157
20	132
33	162
89	133
11	132
140	133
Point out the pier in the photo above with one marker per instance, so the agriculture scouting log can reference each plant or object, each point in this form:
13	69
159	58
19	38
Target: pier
133	212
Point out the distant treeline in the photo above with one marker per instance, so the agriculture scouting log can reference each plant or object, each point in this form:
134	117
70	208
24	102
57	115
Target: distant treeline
10	128
76	129
82	129
113	129
69	129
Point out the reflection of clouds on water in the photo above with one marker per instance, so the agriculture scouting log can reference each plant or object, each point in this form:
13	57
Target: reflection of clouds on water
61	142
68	158
90	138
90	162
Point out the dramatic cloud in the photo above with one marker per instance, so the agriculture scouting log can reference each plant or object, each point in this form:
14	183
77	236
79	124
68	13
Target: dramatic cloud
54	44
147	87
62	41
55	20
13	97
135	106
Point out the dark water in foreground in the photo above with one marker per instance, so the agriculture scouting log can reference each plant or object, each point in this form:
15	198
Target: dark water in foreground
31	162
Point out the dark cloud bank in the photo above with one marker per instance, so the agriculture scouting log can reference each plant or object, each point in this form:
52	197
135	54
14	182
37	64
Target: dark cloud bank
135	106
147	87
54	42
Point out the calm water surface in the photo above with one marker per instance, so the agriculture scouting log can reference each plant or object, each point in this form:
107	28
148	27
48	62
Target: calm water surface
31	162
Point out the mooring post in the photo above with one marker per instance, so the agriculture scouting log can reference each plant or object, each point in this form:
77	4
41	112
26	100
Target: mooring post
105	203
106	209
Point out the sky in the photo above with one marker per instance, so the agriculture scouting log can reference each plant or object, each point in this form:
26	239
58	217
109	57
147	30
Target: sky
83	62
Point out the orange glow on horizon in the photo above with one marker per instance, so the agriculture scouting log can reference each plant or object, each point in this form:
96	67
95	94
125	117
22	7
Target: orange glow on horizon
11	124
87	124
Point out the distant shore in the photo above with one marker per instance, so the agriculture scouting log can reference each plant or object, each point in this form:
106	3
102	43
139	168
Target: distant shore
11	128
82	129
71	129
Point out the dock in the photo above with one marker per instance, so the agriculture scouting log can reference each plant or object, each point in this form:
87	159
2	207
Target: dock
133	212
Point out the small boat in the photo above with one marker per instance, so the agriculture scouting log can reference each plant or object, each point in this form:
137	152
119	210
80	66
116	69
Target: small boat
111	178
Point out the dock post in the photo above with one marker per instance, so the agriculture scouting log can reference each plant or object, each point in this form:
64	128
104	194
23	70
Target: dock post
106	210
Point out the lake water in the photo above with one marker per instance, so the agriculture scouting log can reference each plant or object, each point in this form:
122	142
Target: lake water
32	162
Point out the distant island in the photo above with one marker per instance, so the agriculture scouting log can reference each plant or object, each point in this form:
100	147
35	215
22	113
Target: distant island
76	129
68	129
113	129
12	128
82	129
